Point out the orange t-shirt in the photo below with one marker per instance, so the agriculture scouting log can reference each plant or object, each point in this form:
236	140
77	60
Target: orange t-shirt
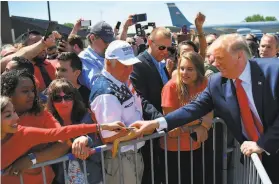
170	99
35	176
37	73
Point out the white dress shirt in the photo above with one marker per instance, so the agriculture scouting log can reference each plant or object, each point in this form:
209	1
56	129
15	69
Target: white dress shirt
107	109
246	83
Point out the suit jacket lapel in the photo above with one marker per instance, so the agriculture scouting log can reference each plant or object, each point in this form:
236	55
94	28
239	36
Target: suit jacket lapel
257	78
167	73
153	67
232	104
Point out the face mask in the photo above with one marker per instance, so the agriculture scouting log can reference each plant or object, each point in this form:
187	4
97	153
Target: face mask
64	105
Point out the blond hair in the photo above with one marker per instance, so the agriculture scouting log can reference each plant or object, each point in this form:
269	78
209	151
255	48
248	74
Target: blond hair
182	89
166	32
232	43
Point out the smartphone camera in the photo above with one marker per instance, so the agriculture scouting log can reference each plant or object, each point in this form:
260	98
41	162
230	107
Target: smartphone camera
85	23
139	18
118	25
138	29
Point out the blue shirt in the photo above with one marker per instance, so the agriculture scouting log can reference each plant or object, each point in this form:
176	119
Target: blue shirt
92	64
160	67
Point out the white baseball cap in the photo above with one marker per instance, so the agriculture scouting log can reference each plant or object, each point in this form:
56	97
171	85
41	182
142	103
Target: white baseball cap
122	51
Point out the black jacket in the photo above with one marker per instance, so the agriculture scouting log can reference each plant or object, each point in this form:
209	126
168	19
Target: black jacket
148	83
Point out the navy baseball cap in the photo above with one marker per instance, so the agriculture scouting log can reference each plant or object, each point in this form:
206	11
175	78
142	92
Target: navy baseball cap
104	31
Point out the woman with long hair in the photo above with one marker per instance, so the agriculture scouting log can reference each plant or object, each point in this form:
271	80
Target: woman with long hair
179	91
16	140
66	105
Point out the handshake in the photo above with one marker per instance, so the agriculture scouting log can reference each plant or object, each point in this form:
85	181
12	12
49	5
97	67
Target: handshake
135	130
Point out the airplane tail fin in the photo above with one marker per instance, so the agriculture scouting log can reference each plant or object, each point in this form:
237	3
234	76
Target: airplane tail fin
177	18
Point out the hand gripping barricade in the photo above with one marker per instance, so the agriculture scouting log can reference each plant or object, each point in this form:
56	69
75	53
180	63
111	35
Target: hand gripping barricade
251	172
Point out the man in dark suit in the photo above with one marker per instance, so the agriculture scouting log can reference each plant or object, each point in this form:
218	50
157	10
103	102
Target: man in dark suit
241	84
148	79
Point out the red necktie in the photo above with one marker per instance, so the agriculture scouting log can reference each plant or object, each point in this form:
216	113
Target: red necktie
251	124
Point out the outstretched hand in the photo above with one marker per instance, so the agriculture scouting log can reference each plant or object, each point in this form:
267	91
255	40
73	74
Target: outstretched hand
145	127
114	126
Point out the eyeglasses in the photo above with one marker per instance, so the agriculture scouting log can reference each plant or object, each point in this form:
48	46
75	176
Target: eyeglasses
58	98
132	43
161	47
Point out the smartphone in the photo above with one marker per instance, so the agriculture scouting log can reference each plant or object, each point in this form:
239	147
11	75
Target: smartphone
85	23
118	25
139	18
145	27
194	136
52	26
152	24
138	29
184	29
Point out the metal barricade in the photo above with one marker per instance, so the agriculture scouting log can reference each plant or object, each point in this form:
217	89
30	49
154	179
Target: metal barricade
251	172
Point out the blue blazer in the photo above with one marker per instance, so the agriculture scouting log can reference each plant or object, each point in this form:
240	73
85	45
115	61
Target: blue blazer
220	95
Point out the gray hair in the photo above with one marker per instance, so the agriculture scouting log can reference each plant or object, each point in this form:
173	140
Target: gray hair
273	36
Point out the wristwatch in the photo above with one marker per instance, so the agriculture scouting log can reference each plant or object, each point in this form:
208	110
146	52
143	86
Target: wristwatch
32	157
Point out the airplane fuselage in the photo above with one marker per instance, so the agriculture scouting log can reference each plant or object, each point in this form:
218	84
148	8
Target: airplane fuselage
264	27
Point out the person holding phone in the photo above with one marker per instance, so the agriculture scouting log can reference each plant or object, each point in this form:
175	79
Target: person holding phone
100	36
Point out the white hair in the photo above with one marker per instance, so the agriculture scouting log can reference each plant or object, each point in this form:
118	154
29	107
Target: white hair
112	61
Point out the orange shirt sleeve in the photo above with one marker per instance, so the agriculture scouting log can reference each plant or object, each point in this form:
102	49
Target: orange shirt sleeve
53	134
169	95
49	120
27	137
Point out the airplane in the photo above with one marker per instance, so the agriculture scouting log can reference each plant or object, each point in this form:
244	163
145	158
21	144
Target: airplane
179	20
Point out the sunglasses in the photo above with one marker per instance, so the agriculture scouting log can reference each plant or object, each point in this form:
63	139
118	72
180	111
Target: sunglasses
161	47
132	43
58	98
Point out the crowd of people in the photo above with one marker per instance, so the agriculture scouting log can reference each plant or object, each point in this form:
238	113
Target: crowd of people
58	96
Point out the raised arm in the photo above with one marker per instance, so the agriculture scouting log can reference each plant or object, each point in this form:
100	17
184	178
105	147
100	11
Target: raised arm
76	27
200	18
29	52
128	23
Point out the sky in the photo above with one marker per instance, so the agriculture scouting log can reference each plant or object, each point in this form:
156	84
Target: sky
216	12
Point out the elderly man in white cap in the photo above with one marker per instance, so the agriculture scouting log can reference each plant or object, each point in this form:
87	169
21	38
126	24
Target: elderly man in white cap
112	100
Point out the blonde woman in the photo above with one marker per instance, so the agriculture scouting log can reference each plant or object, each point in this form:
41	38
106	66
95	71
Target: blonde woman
179	91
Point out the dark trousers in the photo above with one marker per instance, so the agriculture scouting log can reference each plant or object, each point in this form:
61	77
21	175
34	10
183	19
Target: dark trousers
271	165
145	150
185	166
